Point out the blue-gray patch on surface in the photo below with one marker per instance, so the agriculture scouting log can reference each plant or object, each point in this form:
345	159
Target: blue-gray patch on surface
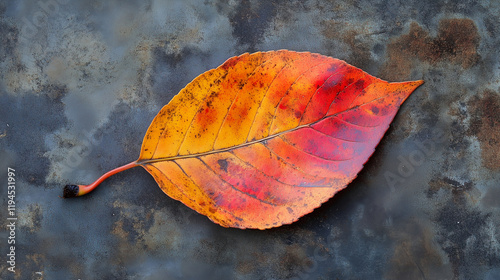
82	80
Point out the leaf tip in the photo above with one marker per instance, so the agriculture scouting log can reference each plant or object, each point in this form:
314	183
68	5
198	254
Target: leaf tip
417	83
410	85
404	89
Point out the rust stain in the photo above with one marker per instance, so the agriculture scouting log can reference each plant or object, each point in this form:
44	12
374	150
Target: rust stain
137	228
119	231
257	259
288	259
31	219
455	217
485	112
461	192
293	260
129	231
245	268
36	262
457	42
416	257
360	53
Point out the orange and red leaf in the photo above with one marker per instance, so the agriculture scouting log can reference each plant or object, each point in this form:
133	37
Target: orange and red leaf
267	137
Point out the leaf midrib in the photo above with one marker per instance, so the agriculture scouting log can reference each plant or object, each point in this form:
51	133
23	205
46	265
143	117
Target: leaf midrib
150	161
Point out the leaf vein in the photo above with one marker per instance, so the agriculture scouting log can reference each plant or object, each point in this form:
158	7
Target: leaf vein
192	120
338	93
268	176
189	177
194	183
300	150
236	189
341	139
287	91
232	103
264	97
314	94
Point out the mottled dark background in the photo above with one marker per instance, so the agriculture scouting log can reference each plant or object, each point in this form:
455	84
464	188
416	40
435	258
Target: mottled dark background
82	80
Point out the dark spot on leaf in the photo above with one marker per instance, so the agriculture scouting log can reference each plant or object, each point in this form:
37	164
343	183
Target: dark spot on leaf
359	84
222	164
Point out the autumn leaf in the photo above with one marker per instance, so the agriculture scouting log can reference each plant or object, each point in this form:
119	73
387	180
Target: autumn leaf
266	138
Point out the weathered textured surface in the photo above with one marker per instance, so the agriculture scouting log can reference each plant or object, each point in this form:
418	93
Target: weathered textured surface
81	81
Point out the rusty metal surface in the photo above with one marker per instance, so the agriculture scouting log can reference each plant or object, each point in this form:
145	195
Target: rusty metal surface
82	80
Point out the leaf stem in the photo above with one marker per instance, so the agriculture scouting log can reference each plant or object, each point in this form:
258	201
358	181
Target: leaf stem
79	190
